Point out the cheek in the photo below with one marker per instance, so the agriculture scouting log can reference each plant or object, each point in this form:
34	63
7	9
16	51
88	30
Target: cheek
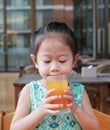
43	70
67	69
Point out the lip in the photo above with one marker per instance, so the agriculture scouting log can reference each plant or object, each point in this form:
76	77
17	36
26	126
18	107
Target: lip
61	76
56	75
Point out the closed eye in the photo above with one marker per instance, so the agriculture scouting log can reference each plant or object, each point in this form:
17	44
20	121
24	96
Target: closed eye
47	61
62	61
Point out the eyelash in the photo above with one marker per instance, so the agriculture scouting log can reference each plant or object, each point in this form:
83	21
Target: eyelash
47	61
59	61
62	61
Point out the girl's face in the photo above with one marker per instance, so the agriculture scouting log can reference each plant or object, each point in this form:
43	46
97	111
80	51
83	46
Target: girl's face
54	58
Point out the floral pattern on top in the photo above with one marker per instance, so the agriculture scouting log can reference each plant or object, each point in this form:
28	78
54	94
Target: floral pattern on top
66	121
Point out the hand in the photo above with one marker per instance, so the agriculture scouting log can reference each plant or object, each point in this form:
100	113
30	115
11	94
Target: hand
46	107
72	105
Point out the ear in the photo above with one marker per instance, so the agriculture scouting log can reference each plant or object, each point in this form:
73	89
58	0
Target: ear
75	59
34	59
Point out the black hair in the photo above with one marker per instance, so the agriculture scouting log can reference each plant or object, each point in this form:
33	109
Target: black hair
53	27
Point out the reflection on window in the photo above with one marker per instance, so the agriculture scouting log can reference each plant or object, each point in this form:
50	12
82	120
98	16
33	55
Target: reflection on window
44	2
43	17
18	20
44	12
17	3
83	25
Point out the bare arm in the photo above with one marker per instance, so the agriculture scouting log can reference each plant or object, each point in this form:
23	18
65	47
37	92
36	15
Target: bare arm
23	119
84	114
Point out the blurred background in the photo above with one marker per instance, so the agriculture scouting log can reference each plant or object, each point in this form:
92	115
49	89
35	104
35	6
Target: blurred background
89	19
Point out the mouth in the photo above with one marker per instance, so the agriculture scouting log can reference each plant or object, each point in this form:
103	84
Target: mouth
57	76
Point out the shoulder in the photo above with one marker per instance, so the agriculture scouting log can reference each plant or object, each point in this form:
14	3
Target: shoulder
24	100
37	90
78	91
76	86
28	89
25	90
36	86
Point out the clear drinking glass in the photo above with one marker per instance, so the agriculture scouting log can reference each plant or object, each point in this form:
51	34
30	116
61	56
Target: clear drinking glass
60	84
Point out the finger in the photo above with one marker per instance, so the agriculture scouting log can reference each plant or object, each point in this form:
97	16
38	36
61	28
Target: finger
53	111
69	97
55	106
71	104
49	92
53	98
68	91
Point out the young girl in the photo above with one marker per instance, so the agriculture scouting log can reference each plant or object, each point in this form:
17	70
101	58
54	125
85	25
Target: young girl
54	54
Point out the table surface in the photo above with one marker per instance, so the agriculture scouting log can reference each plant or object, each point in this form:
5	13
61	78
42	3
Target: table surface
26	78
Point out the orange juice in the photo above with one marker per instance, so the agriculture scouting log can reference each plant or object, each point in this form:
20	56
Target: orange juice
60	86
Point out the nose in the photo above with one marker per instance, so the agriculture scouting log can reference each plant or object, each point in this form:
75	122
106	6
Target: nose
54	66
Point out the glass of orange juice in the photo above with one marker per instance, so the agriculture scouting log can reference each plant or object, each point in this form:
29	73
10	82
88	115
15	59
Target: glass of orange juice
60	84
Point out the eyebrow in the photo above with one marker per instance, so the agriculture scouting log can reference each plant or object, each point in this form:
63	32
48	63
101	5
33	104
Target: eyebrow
56	55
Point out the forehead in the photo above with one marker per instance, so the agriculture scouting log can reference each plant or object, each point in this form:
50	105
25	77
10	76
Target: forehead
54	47
54	42
56	35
